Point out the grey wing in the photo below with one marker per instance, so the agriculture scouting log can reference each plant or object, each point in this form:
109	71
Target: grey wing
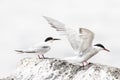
42	49
86	37
74	39
57	25
68	32
79	42
71	35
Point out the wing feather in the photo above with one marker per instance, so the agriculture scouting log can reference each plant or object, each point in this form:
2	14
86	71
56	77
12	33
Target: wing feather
55	24
79	42
60	27
87	37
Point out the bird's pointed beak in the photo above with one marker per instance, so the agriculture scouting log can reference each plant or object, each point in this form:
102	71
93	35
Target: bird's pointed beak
56	39
106	50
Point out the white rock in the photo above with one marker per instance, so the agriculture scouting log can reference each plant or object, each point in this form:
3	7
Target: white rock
55	69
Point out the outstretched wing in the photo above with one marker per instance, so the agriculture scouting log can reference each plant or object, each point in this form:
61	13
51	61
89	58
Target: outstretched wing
87	37
68	32
55	24
79	42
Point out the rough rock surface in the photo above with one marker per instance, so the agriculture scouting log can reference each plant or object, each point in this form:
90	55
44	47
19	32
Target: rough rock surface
56	69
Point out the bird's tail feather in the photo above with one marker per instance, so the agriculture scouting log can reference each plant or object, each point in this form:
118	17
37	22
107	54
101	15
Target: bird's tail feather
20	51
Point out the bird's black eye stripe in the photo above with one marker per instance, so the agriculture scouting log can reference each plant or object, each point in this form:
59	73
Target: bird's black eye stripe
99	45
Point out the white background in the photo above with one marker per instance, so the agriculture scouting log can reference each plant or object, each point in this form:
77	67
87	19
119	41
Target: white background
22	25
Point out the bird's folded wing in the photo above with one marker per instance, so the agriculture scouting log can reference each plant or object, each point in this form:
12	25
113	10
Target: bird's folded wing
41	48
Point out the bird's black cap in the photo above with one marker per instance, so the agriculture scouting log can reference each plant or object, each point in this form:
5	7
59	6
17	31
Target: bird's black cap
100	45
48	38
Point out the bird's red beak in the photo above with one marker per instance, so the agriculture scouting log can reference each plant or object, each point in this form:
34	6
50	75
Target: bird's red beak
106	50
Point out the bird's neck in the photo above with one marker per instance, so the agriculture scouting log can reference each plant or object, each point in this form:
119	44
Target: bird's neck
48	43
97	48
88	49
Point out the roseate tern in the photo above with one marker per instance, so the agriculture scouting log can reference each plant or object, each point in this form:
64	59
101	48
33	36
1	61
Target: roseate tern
90	53
40	48
81	40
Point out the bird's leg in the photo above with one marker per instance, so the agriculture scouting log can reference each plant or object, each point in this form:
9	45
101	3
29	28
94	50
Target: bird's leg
39	57
86	62
43	56
83	65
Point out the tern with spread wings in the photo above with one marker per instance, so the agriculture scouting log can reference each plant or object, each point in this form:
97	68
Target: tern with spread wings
81	40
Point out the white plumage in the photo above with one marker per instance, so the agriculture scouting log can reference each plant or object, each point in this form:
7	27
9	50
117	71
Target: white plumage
40	48
80	40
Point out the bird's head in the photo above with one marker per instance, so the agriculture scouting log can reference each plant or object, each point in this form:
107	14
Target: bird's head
101	47
51	39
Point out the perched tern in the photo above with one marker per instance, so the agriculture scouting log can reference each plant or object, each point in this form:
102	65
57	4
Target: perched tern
90	53
40	48
81	40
